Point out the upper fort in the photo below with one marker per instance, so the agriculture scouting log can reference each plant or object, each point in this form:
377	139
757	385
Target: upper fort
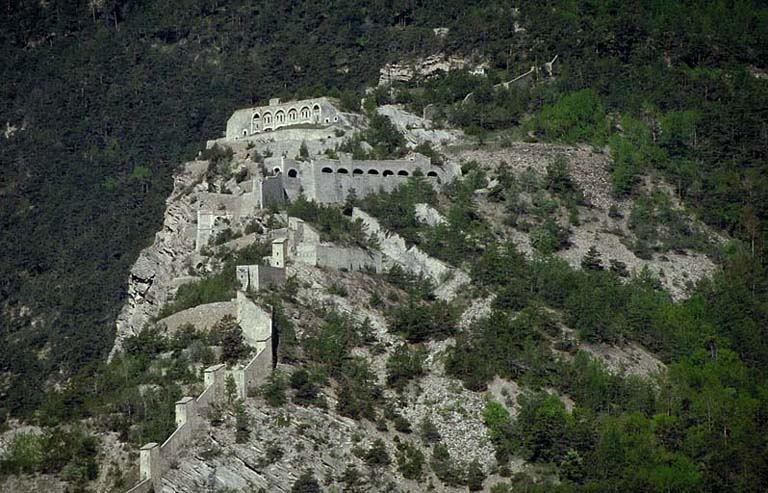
250	121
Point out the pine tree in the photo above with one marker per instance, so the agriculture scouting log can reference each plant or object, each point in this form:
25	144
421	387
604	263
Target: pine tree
591	260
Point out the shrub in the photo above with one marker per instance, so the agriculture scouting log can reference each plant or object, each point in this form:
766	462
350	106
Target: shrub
274	389
444	468
429	432
404	365
410	460
227	334
377	455
306	483
419	322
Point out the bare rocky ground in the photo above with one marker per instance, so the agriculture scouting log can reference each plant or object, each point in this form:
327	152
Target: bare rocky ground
677	271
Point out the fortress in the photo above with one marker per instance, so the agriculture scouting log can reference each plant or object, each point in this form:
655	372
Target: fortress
283	132
319	178
250	121
331	180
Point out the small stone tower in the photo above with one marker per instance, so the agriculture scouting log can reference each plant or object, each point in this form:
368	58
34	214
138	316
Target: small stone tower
279	252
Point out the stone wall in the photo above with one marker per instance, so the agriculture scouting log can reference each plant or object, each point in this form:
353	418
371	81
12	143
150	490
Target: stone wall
202	316
255	373
257	324
154	459
251	121
338	257
258	277
255	321
271	192
330	181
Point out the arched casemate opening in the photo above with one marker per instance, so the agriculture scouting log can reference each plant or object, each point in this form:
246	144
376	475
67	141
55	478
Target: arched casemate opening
388	172
293	115
267	118
305	113
402	172
342	171
256	122
280	117
357	171
373	172
276	171
293	173
316	113
432	174
326	170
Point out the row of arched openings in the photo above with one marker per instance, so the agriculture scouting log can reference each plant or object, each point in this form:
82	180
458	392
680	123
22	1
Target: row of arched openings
280	117
358	171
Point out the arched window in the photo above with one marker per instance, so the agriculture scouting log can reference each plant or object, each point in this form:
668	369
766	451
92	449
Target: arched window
293	115
342	171
388	172
373	172
433	174
402	172
327	170
357	171
267	118
256	121
305	113
293	173
280	117
316	113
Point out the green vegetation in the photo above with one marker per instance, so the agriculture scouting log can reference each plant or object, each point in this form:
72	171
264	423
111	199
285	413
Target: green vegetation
68	453
219	286
419	322
404	365
576	117
396	210
382	136
410	460
330	221
660	227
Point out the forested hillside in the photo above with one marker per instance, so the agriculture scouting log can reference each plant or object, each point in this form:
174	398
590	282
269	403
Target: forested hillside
101	101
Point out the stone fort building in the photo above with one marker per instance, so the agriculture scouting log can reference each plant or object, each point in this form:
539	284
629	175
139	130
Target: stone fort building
331	180
251	121
318	178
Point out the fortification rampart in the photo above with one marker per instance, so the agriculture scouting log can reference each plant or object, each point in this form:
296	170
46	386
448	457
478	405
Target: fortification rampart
331	181
250	121
257	324
341	258
154	459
